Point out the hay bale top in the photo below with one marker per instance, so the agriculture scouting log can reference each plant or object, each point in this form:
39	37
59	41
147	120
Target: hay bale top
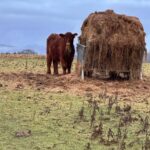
114	41
111	26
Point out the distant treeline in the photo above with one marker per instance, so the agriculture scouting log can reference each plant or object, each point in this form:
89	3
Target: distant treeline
25	51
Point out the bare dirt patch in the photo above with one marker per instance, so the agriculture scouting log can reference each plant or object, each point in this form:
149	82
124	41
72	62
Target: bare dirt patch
128	90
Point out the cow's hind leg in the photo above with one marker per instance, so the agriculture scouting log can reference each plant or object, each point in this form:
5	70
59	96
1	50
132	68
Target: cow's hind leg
49	61
55	64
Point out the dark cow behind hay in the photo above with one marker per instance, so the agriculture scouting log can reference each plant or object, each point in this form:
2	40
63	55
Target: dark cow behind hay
60	48
114	43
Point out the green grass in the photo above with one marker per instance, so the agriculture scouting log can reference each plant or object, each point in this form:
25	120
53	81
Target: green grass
54	121
17	65
27	110
53	118
146	69
37	65
39	113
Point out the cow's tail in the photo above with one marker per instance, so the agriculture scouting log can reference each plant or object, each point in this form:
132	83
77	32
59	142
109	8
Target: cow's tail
47	46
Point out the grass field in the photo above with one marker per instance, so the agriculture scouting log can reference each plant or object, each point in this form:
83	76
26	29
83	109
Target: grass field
65	113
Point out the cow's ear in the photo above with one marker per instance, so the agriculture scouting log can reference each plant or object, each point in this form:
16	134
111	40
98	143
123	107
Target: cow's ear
75	34
62	35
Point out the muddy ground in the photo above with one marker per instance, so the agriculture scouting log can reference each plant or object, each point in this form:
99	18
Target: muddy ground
127	90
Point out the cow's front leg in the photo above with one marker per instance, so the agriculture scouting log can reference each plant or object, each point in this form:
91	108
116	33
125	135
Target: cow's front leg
69	66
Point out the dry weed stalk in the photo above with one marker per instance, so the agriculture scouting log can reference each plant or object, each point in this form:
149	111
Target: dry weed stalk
88	146
81	113
97	131
110	134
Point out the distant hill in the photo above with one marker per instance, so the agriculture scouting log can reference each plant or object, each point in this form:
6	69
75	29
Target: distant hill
26	51
10	49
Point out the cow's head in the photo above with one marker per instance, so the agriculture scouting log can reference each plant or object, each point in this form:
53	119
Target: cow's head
68	37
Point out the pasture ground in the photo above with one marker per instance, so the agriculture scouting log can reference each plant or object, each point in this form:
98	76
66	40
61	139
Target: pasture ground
65	113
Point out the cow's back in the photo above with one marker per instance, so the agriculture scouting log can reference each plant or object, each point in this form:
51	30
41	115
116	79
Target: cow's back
53	46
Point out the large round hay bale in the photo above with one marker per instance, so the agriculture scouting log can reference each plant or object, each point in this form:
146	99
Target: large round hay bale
115	43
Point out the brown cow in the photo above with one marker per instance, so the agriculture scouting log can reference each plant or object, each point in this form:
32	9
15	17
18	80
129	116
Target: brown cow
60	48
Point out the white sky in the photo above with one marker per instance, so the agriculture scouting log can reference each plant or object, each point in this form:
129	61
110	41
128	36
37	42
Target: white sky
27	23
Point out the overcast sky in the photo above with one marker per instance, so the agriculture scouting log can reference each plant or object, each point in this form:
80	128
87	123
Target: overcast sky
27	23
